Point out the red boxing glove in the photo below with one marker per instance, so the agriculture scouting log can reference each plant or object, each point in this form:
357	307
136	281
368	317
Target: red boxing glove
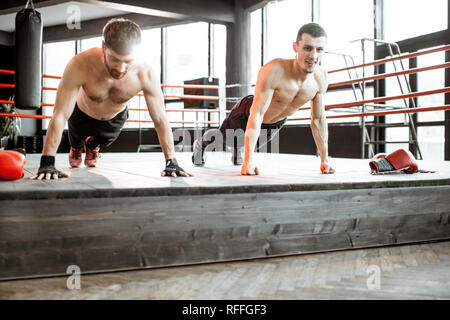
379	156
11	164
398	160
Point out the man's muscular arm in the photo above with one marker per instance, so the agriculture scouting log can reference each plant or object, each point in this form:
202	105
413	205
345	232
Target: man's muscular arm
264	90
65	102
319	125
155	105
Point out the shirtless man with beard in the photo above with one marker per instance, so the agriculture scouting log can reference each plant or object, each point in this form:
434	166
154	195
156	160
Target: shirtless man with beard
92	97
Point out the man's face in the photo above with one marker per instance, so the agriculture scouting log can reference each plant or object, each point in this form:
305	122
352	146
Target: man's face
117	64
309	51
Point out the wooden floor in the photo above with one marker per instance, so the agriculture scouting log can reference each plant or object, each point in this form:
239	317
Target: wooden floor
419	271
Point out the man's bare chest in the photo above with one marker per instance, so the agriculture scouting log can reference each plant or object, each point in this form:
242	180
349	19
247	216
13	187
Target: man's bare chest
294	96
117	93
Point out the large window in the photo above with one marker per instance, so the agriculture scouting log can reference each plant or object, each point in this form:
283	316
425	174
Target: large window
430	80
279	30
397	86
412	18
256	44
90	43
187	52
150	52
431	139
284	18
56	56
187	58
345	48
417	18
350	26
219	40
345	22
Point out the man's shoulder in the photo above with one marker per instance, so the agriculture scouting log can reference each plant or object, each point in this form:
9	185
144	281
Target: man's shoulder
147	75
275	67
144	69
276	63
86	58
320	75
90	54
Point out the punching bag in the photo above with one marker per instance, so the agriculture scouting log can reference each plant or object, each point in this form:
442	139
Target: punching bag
27	78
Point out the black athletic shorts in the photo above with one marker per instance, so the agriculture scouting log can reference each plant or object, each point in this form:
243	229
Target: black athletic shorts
238	118
105	132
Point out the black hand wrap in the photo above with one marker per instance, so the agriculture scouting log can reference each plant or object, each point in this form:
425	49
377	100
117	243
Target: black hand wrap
172	166
48	166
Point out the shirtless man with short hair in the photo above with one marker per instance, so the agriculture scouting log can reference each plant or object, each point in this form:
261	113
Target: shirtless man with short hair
281	88
93	94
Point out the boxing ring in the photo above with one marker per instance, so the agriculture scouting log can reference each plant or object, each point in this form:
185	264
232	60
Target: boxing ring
122	215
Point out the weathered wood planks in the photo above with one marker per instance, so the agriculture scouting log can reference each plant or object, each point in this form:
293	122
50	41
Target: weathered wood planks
43	237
